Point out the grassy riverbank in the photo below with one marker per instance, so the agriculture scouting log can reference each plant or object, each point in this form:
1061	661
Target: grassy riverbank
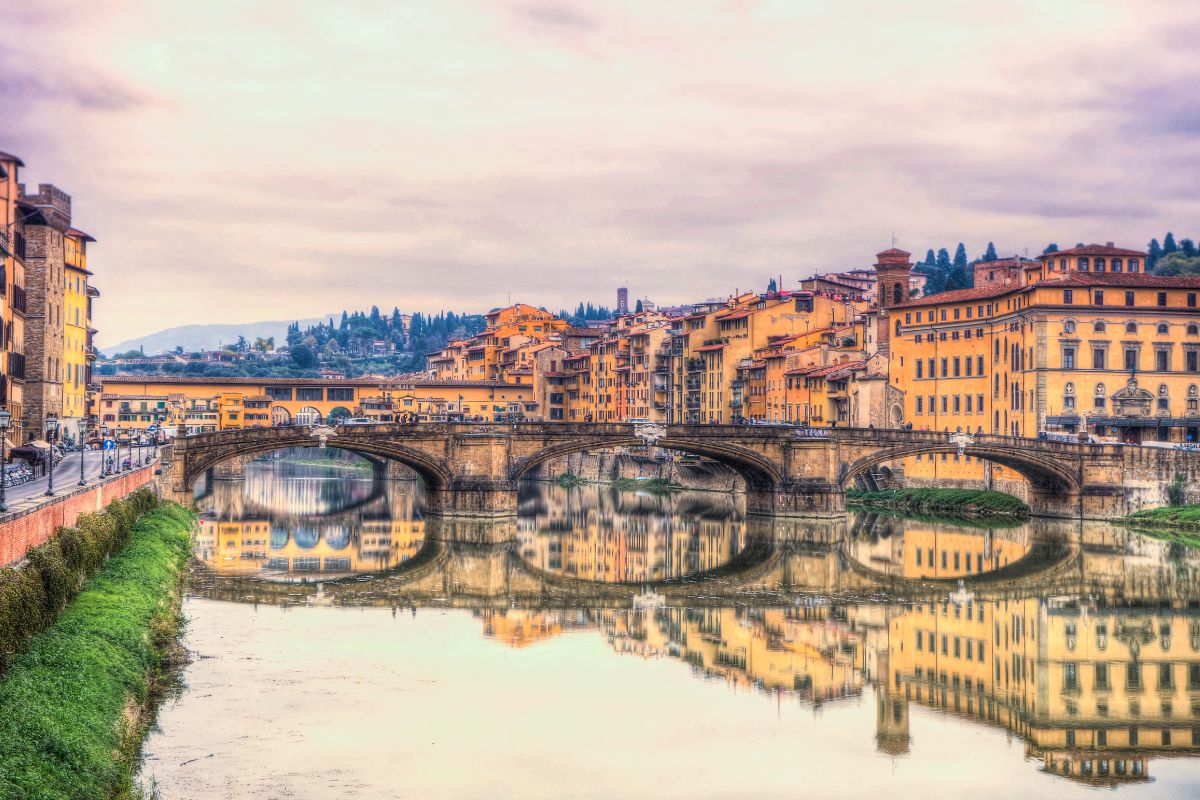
73	706
1183	518
955	502
651	485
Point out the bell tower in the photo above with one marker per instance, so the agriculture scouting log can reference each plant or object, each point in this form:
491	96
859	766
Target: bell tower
892	272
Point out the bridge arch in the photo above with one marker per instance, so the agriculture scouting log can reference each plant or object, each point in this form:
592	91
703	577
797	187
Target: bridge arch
757	471
1054	487
431	471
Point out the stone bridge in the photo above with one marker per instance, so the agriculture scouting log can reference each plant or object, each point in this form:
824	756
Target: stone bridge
473	470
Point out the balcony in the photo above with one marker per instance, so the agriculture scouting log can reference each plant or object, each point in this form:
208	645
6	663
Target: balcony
18	299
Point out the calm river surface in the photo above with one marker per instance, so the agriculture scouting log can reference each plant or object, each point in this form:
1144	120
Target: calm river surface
630	645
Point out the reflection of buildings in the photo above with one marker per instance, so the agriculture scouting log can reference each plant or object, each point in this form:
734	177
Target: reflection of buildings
279	523
1095	692
597	533
519	628
933	550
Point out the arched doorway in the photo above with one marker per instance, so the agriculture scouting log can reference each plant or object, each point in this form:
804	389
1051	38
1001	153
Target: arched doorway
281	416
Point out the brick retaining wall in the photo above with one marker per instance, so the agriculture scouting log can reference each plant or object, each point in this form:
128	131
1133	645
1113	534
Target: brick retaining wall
20	530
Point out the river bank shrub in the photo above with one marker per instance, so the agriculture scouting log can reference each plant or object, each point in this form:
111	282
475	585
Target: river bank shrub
651	485
1168	516
72	707
978	502
34	593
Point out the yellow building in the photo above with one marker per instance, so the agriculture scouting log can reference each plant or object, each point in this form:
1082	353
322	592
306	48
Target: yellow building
13	303
78	354
133	403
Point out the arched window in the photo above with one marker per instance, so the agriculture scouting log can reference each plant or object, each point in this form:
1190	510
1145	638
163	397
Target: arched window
1099	396
1193	329
1062	264
1099	264
1069	326
1133	265
1083	264
1131	327
280	416
308	416
1099	327
1069	396
1116	265
897	294
897	327
1163	329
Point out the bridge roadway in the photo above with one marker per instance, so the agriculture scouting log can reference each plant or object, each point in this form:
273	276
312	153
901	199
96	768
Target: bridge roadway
785	562
473	469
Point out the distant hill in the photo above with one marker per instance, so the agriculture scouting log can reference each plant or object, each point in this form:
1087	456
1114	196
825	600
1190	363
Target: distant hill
208	337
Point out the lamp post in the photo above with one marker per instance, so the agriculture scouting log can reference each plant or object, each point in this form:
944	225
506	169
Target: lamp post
5	419
83	431
104	471
51	431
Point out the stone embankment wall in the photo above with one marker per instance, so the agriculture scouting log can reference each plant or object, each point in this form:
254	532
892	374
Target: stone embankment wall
606	467
25	528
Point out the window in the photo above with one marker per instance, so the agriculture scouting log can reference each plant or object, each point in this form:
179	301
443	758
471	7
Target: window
1070	675
1099	396
979	365
1069	396
1191	357
1129	298
1099	326
1163	329
279	392
1115	265
1166	676
1162	298
920	404
1098	358
1102	676
1191	300
1083	264
1131	327
1130	359
1069	326
1068	358
1133	265
1193	329
1133	675
310	393
1099	264
340	393
1161	359
920	369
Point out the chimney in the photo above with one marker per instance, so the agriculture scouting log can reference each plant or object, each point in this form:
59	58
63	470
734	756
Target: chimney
1108	244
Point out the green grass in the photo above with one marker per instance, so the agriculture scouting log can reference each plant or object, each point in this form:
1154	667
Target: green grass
653	485
71	705
977	502
1169	516
569	479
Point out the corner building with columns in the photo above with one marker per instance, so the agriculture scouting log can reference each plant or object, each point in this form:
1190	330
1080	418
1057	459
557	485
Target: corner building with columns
1086	341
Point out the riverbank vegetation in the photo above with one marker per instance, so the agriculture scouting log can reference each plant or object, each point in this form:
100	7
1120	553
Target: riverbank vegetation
955	502
651	485
569	479
1185	517
73	705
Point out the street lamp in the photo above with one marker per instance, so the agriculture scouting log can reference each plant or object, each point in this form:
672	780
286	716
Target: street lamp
51	431
5	419
83	431
104	458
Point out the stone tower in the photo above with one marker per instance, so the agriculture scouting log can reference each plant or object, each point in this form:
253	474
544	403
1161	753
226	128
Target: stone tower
892	270
47	218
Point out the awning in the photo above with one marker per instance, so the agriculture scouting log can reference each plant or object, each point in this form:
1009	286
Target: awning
1146	422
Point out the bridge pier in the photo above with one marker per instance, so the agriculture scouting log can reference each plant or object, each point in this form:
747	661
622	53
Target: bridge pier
473	497
797	499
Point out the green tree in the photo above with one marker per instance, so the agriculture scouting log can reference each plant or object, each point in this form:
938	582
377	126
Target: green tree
304	357
1169	245
1153	254
637	309
771	286
990	254
1050	248
1177	264
1188	248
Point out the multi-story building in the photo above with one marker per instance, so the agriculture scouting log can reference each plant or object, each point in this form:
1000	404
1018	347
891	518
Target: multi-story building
1087	342
47	217
78	352
13	304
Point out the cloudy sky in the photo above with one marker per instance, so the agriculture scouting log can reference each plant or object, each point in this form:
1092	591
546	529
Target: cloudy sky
243	160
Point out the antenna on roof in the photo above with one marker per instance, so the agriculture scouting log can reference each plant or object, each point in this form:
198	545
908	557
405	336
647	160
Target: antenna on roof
893	238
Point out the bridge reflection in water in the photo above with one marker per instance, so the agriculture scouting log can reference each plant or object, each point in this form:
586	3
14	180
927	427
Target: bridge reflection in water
1082	640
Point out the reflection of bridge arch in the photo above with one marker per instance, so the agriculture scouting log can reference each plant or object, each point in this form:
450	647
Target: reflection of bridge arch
756	470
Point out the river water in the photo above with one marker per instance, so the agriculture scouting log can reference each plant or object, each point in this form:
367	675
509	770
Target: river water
630	645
